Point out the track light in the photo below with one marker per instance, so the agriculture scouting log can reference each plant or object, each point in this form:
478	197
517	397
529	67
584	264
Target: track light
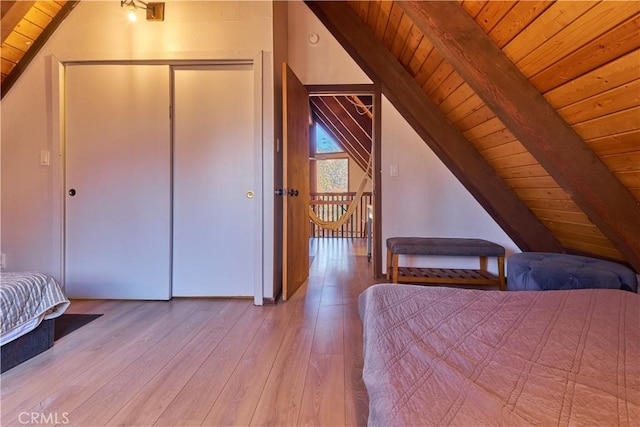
155	11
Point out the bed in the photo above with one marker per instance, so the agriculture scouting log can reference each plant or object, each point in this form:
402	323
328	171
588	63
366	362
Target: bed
28	302
451	356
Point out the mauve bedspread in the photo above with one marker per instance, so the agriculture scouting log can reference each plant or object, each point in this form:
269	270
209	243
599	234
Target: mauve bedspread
445	356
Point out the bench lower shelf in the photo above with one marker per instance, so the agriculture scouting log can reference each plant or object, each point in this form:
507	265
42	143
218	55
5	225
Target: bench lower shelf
447	276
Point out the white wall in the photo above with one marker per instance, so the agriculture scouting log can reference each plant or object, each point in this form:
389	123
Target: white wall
425	199
324	63
99	30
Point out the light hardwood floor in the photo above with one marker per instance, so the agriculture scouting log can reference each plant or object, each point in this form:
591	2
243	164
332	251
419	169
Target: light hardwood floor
191	362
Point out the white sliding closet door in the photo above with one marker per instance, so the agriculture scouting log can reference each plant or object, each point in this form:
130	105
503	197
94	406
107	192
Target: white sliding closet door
215	226
118	170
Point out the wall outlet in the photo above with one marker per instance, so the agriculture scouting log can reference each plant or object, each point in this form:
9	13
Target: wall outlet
3	260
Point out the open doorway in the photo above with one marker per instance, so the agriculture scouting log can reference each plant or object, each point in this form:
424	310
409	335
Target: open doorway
344	168
293	186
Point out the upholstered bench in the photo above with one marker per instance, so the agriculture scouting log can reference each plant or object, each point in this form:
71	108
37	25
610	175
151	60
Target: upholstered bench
452	247
541	271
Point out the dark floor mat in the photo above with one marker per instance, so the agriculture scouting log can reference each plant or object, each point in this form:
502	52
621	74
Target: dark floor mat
69	322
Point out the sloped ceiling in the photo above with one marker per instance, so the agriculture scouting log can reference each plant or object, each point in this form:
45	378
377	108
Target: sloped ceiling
350	121
26	26
534	105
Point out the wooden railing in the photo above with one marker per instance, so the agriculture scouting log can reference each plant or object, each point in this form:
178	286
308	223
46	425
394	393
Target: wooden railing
330	206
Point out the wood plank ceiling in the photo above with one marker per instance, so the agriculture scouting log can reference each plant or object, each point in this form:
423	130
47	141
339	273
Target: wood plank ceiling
577	63
548	93
25	27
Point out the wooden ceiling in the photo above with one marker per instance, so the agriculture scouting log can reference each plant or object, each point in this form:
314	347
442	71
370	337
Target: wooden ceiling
533	105
26	26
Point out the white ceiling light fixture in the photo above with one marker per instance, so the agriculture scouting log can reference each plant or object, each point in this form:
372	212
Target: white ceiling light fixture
155	11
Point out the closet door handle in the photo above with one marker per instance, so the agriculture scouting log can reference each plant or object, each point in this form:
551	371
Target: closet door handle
72	192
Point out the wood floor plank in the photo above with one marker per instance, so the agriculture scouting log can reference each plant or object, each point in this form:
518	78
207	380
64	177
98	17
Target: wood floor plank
238	400
328	333
280	402
324	393
353	359
114	395
193	403
146	407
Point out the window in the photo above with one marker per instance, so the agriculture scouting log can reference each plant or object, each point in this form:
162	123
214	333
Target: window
332	164
332	175
325	143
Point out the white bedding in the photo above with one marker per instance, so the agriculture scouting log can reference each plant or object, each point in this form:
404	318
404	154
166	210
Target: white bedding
445	356
27	298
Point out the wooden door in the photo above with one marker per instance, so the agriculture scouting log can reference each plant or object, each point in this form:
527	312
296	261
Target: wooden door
216	182
118	182
296	115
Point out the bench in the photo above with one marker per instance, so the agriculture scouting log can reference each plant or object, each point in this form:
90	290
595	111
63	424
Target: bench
453	247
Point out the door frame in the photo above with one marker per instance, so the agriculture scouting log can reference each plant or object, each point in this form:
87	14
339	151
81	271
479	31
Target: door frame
374	90
56	97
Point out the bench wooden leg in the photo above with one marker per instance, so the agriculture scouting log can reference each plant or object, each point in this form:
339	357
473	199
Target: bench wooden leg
503	286
388	264
483	263
394	279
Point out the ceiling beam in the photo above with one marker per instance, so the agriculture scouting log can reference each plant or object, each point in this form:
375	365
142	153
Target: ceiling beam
455	151
529	116
361	138
360	113
12	14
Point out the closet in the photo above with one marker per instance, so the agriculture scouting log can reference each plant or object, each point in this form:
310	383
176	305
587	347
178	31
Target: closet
161	186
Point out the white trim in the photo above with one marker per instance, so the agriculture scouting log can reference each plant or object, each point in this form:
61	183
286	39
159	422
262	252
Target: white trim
258	162
58	167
